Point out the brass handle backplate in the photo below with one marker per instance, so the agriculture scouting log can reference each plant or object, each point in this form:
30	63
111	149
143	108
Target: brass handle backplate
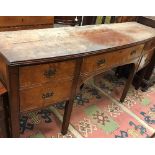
47	95
133	52
50	72
101	62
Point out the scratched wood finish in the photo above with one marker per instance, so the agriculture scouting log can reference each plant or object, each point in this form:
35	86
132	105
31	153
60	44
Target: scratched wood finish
60	43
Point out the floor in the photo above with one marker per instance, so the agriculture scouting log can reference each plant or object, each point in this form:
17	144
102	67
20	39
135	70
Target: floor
97	113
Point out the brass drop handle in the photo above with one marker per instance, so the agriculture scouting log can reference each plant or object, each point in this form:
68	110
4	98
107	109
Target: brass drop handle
101	62
47	95
133	52
50	72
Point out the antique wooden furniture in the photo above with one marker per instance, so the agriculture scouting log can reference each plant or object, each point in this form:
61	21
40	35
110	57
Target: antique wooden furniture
3	112
144	77
68	20
9	23
45	66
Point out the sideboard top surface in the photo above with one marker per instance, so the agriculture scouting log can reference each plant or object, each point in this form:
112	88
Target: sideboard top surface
19	47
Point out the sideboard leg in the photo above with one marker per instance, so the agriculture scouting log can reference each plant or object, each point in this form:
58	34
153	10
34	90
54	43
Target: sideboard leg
13	93
69	104
67	115
128	83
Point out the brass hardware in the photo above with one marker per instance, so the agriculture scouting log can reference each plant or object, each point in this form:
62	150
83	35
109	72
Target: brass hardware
133	52
49	73
47	95
101	62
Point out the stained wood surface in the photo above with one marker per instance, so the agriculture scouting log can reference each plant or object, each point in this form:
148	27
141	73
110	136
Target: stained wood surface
30	45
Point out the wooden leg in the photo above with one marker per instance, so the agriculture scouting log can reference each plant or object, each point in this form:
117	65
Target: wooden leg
67	115
13	92
69	104
128	83
6	107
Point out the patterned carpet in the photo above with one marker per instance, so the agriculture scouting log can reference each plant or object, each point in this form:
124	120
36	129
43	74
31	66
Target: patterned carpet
97	113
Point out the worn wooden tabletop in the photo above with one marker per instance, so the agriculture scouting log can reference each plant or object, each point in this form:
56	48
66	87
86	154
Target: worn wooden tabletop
28	45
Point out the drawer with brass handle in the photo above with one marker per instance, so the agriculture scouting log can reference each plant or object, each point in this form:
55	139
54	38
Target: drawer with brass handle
34	75
133	52
50	72
46	94
106	60
101	62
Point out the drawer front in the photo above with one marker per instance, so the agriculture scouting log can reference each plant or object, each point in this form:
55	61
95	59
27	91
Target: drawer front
46	94
149	46
111	59
34	75
145	59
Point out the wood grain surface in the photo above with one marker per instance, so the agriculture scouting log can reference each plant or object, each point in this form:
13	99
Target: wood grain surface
30	45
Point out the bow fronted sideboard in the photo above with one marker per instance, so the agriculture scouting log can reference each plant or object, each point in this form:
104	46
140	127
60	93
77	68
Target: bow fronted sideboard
45	66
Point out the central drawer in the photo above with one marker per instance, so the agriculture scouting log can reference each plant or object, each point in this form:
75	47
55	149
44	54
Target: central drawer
44	95
37	74
112	59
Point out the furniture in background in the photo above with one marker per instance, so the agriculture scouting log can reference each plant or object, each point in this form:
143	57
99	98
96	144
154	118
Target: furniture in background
4	131
11	23
147	20
121	19
37	68
143	77
68	20
91	20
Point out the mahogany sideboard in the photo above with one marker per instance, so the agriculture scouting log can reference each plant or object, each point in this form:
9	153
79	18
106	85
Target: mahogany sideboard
45	66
